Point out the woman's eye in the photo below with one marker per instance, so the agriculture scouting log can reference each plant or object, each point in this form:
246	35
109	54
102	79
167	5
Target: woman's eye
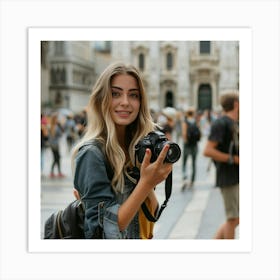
134	95
115	94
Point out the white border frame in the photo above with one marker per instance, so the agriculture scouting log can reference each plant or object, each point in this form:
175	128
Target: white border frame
243	35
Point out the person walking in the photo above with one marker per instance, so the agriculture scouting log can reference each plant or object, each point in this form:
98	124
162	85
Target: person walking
104	162
55	134
44	141
70	131
169	114
223	147
191	135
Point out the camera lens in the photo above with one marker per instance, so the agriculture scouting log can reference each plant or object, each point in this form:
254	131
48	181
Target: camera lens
173	153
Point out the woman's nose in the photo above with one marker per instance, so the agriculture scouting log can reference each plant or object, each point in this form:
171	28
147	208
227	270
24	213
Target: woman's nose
124	99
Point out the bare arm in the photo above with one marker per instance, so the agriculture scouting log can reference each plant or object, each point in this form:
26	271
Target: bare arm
151	175
212	152
184	131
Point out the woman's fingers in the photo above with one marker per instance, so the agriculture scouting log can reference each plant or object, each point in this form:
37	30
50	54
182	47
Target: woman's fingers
147	158
156	172
163	154
160	159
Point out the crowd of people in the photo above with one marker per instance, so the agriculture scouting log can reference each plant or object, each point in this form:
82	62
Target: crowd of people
121	118
53	126
188	126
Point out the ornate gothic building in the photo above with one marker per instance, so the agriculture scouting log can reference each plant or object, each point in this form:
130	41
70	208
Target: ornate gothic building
178	74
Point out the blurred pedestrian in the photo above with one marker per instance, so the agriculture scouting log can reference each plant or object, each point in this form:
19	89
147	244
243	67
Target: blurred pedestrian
205	126
55	133
44	141
205	123
178	125
191	135
118	117
70	131
168	117
223	147
81	122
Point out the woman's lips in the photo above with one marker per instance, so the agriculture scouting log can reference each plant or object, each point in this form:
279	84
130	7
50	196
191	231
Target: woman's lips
123	113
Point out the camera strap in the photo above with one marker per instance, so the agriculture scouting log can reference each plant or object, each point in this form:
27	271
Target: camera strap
168	191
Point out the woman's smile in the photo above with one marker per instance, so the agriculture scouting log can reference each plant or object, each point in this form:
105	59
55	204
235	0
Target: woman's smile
123	114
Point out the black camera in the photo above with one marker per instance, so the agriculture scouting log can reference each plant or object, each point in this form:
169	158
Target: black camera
155	141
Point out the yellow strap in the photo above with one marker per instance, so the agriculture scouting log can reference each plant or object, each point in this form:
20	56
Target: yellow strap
146	227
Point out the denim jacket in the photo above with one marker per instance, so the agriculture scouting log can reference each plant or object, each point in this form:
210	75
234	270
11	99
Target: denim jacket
91	179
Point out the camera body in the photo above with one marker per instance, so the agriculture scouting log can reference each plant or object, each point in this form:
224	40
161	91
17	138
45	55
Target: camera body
155	141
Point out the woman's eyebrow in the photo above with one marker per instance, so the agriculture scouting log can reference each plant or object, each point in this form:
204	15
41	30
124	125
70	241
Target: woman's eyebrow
119	88
115	87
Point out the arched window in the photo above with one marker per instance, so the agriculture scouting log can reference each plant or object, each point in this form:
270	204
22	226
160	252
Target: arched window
58	98
169	102
204	47
204	97
169	61
141	61
53	76
63	76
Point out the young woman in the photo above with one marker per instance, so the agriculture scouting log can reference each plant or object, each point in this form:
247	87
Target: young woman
118	117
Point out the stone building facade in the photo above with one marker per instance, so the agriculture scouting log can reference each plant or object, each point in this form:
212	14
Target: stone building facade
67	74
176	74
183	73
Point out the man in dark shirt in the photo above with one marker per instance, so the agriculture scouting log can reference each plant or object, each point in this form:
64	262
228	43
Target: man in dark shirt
223	147
190	140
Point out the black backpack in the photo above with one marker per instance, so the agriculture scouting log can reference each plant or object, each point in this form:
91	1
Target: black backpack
193	133
67	223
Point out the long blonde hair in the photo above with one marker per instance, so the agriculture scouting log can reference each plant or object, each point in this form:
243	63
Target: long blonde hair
102	128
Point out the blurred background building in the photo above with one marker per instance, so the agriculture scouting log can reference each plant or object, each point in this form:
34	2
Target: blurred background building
176	74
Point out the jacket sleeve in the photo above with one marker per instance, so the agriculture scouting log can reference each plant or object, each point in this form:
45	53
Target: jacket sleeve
94	186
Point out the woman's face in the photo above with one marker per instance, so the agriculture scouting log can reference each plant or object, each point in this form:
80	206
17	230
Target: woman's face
125	103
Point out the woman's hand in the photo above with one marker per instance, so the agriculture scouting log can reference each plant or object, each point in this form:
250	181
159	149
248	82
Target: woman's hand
151	174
